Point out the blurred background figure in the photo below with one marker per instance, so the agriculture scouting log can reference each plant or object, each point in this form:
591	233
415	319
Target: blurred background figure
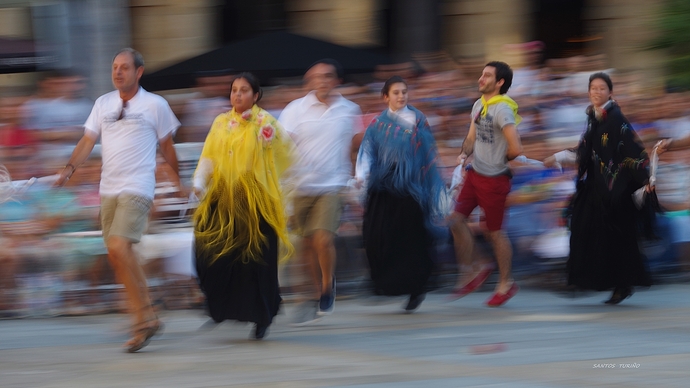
58	110
18	146
211	98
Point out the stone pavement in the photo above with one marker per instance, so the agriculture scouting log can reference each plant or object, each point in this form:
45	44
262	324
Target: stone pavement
537	340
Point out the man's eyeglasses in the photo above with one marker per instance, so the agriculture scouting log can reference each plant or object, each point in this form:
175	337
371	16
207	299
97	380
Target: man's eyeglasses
122	111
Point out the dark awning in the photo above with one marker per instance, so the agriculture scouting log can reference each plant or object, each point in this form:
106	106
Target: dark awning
270	56
20	56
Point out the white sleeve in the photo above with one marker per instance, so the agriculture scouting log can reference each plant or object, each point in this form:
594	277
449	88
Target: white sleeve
285	118
166	123
358	124
203	171
93	122
565	156
363	166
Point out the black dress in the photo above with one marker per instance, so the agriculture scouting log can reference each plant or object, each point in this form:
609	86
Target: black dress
397	243
242	290
604	250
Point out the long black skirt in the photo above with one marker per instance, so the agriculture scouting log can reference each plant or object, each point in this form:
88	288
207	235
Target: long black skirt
242	291
397	243
604	250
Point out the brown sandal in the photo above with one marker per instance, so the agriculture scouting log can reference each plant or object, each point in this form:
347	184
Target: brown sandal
142	334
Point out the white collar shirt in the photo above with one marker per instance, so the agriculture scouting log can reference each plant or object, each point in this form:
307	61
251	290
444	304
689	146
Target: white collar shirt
323	137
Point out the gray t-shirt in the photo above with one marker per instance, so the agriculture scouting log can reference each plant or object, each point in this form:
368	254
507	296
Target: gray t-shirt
491	145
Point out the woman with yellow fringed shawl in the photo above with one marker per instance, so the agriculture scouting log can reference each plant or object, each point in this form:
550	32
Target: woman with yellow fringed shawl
241	216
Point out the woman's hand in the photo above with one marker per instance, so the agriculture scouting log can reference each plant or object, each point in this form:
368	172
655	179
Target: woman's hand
64	175
663	146
551	161
462	159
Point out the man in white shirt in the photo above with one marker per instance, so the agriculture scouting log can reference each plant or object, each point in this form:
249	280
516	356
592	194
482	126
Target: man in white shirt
322	124
131	123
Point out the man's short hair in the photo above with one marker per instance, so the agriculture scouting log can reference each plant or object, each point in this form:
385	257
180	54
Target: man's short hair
339	71
503	72
138	58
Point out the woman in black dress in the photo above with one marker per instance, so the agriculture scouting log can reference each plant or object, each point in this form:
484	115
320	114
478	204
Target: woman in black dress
240	218
404	190
612	165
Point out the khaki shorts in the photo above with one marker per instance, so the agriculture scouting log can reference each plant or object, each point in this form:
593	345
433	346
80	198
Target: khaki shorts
320	212
125	215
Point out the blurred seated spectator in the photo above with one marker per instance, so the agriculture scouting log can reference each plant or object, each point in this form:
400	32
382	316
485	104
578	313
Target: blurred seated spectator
16	143
674	117
59	109
212	97
527	79
18	147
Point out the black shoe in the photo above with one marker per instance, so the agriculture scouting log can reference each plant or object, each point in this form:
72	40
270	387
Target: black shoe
619	294
260	331
414	302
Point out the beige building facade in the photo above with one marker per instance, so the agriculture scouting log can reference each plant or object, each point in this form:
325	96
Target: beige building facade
167	31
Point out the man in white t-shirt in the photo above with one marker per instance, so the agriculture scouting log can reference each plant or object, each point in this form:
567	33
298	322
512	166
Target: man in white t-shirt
322	124
131	123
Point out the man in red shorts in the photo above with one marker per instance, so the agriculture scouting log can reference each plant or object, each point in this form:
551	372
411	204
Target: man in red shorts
493	140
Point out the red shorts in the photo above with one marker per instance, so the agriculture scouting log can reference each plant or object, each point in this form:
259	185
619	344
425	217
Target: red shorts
487	192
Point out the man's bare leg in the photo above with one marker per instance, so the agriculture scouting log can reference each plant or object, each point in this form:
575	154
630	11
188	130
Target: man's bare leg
504	257
311	268
129	273
463	244
324	247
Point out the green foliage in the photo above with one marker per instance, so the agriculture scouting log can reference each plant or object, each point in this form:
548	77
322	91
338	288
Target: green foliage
674	38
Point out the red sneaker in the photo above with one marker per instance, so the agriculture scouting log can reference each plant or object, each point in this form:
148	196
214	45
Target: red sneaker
500	299
473	284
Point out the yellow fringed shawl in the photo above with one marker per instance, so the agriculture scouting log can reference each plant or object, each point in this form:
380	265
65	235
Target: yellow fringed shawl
249	153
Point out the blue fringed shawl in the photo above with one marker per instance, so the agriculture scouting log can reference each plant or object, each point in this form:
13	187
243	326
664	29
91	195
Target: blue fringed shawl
403	160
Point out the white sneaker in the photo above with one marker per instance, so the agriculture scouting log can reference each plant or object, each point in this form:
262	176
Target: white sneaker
305	313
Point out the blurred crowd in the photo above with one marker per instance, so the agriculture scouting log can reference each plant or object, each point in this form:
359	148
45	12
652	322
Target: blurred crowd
52	260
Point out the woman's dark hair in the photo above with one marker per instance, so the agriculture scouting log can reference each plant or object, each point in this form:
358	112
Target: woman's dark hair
503	72
252	81
390	81
602	76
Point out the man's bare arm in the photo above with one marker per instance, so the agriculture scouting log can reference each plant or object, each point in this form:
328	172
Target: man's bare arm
79	155
167	148
468	144
514	145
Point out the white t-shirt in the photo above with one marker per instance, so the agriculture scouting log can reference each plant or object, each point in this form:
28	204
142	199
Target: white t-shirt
323	136
128	146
